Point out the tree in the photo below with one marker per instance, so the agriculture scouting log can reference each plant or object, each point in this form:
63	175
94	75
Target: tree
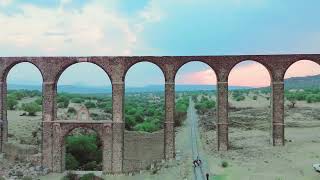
90	104
31	108
293	99
12	102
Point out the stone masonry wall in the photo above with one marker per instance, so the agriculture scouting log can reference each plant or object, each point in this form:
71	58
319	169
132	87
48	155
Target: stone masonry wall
142	149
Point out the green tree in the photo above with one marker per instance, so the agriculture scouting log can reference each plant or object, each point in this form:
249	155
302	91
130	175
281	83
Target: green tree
90	104
31	108
12	102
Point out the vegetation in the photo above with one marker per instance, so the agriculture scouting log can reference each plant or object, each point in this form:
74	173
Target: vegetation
224	164
308	95
31	108
204	104
83	152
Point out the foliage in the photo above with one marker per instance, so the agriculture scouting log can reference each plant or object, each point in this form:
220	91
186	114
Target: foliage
12	102
72	110
83	150
63	100
31	108
224	164
89	176
255	97
90	104
38	101
205	104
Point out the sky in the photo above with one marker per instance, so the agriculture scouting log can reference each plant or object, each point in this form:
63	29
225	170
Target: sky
159	27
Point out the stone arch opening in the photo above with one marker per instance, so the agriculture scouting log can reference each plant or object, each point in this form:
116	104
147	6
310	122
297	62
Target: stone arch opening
144	116
196	101
249	106
23	114
84	84
82	150
301	105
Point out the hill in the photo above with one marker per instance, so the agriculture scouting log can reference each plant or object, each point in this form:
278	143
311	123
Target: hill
302	82
79	89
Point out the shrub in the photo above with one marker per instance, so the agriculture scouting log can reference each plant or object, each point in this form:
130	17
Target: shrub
71	162
255	97
77	100
70	176
27	178
72	110
86	150
89	176
240	98
224	164
31	108
12	102
38	101
90	105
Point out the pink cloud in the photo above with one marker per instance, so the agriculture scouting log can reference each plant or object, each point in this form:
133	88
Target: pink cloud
201	77
244	74
253	75
303	68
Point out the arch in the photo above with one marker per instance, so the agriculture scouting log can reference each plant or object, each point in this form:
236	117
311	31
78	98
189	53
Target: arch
9	68
139	62
194	61
256	62
298	61
64	68
99	140
71	127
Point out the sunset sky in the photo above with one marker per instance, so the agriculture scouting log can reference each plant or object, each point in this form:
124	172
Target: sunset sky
159	27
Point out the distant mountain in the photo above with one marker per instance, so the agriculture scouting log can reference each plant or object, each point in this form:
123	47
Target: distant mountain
80	89
302	82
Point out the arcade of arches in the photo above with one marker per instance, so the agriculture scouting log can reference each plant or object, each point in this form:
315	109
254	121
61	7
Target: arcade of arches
112	132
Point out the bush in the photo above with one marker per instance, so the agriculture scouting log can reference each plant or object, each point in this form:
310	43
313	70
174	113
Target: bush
224	164
31	108
72	110
70	176
89	176
255	97
84	149
90	105
38	101
240	98
77	100
12	102
71	162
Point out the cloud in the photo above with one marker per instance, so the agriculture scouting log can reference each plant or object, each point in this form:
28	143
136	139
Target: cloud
201	77
5	2
95	29
303	68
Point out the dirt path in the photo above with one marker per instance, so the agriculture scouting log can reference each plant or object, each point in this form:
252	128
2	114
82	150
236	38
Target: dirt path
196	146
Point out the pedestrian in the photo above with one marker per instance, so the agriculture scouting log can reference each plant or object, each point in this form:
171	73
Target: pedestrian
195	163
207	176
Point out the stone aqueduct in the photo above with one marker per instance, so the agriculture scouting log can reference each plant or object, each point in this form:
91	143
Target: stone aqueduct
112	132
